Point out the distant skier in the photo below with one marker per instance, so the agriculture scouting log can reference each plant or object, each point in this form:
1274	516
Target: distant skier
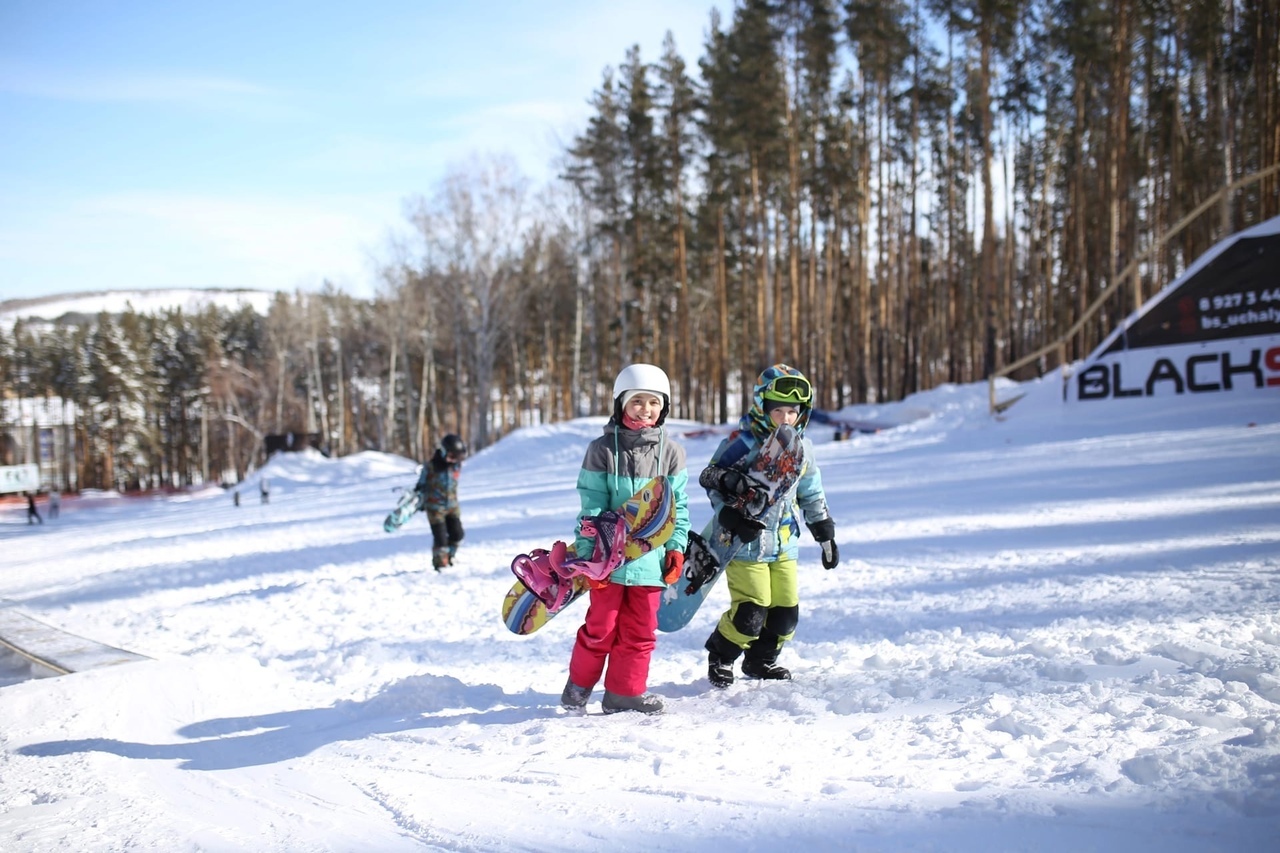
32	512
264	488
438	485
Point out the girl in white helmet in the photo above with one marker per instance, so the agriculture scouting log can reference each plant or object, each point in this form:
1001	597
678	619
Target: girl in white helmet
620	628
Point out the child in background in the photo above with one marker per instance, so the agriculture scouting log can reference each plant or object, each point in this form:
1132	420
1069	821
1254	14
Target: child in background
438	484
764	594
620	628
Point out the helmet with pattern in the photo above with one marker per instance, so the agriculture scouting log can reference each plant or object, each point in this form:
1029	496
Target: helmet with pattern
779	384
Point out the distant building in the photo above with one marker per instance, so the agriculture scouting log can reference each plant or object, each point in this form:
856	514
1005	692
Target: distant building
41	431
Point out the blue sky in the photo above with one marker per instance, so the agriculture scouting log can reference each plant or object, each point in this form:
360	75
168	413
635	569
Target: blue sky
271	144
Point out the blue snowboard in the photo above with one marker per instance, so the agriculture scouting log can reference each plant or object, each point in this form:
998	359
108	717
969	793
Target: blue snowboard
775	470
409	503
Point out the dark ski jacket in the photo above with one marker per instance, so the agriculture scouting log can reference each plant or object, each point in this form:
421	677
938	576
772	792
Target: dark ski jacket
438	484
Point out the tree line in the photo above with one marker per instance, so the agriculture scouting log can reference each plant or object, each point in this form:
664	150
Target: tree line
889	195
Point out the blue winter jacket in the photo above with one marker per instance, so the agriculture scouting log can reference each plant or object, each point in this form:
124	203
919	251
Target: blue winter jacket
780	540
616	465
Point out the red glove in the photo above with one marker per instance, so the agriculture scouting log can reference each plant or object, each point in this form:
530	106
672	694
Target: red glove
673	567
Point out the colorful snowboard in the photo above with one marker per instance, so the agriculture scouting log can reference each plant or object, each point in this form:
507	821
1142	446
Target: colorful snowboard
775	470
409	503
650	517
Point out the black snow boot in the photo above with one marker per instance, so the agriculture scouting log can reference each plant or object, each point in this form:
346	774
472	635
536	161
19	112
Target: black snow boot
761	660
764	669
574	698
720	657
719	673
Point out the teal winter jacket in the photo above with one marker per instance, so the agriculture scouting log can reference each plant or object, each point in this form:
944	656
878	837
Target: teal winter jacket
616	465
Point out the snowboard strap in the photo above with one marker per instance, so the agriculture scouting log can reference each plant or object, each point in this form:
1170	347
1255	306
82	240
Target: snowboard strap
550	574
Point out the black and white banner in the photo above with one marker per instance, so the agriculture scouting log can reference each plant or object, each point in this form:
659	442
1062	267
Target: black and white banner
1214	330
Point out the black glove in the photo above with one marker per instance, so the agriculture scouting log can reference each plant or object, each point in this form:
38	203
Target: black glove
726	481
830	553
825	532
746	529
734	483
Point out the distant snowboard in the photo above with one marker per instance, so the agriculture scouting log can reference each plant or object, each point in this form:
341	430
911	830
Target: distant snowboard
774	471
409	503
548	581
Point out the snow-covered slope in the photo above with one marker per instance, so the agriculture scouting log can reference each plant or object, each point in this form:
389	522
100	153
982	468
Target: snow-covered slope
1056	632
143	301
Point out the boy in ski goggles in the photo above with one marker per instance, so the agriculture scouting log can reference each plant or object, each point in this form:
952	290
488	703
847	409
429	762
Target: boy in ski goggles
764	590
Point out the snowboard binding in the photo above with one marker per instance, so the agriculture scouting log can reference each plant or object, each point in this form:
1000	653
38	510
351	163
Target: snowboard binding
700	564
551	575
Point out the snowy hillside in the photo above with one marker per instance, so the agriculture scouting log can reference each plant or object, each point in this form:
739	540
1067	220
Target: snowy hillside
143	301
1055	632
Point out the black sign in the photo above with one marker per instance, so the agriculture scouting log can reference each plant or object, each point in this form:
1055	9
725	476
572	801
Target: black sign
1236	295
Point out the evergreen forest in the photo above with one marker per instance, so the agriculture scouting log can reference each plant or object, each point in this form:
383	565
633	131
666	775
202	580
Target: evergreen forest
889	195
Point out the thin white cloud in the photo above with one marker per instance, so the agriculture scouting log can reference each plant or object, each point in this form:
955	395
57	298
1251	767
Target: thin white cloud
360	154
565	54
110	86
380	113
535	94
531	130
601	33
314	233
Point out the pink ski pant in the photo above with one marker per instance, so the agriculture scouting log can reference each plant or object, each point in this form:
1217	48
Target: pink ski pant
621	626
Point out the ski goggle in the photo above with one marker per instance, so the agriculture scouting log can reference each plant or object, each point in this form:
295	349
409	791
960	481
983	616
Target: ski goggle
789	389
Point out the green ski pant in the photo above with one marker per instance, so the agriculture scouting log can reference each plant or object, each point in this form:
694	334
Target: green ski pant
755	589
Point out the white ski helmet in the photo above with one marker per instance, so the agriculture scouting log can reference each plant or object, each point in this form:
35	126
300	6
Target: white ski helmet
641	377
